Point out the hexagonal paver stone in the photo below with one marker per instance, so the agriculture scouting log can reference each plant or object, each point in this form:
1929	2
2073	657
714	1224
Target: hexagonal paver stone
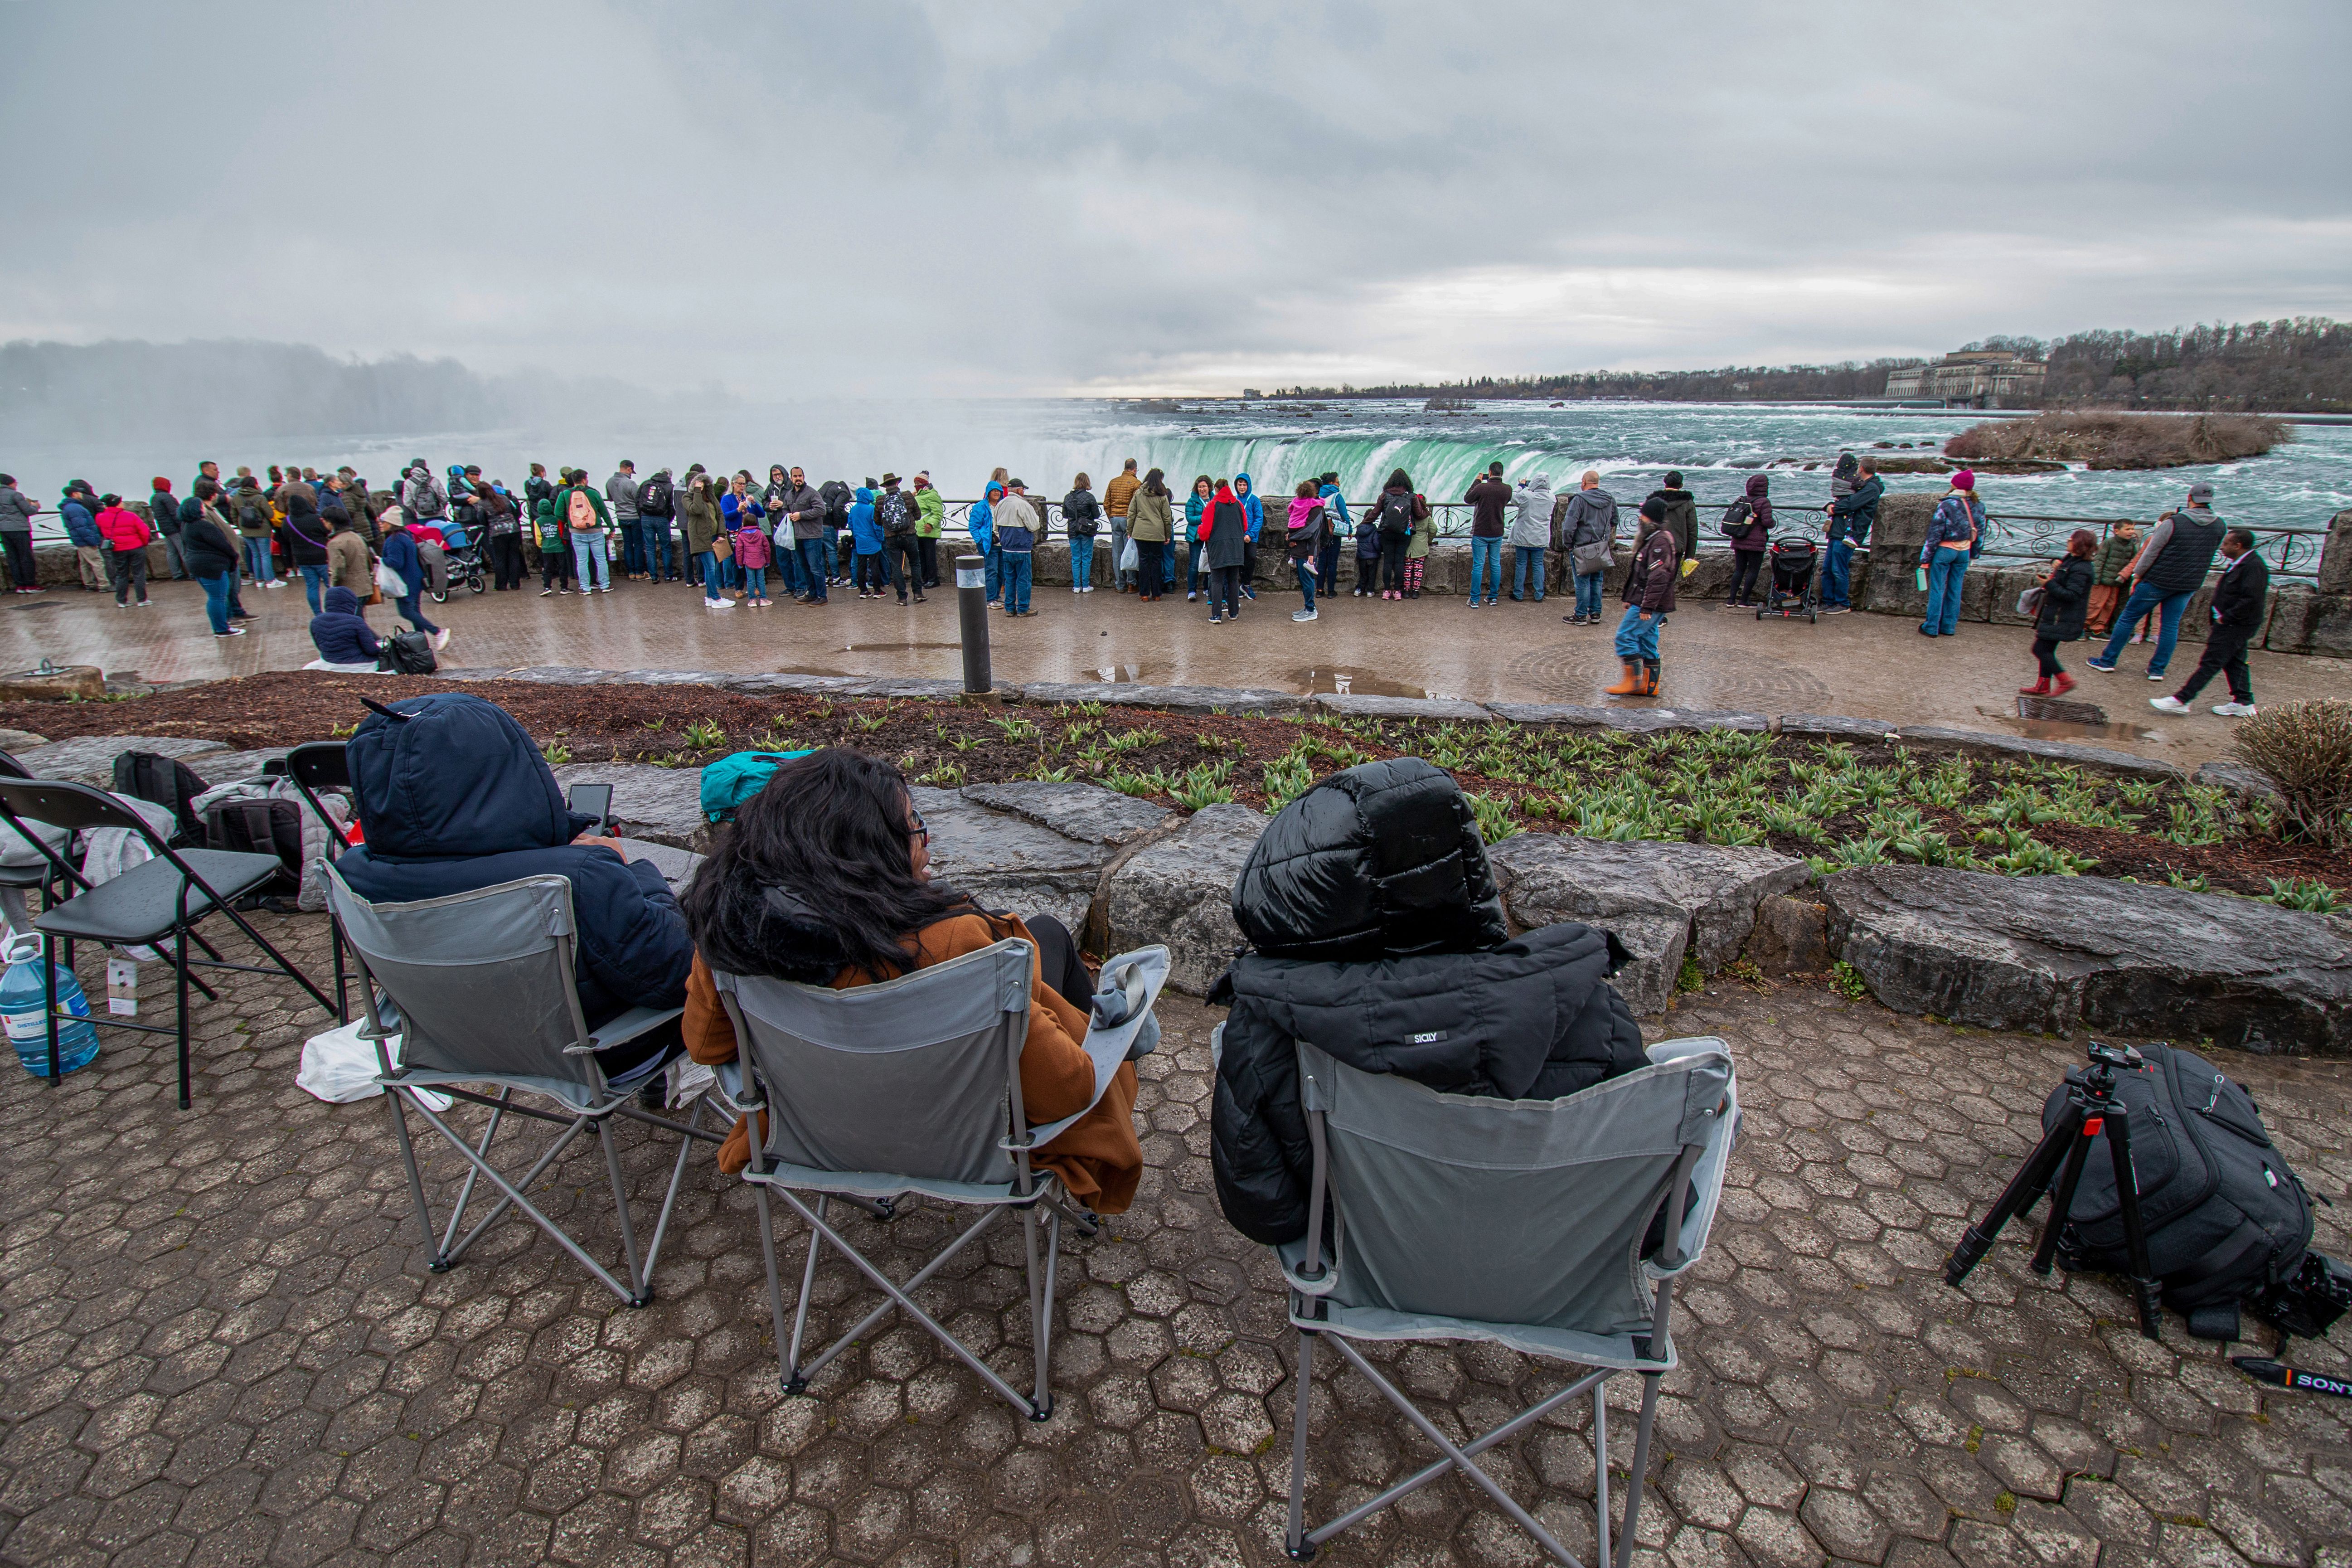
90	759
662	805
2054	955
1011	862
1180	892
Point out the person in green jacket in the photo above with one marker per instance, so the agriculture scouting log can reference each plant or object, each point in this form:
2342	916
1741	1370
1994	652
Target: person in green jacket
1149	522
554	549
929	514
1416	551
2108	597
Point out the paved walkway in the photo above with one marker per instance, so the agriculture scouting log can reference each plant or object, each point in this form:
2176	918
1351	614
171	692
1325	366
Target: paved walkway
1869	666
219	1345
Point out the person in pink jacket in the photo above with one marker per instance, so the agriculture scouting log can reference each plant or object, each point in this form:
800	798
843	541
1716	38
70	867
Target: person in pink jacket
126	534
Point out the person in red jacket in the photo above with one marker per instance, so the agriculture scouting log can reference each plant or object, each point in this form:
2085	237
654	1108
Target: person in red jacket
126	534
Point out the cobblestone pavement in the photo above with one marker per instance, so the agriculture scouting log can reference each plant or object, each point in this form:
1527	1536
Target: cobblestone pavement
219	1345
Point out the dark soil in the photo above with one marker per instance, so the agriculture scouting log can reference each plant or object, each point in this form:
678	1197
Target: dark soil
948	744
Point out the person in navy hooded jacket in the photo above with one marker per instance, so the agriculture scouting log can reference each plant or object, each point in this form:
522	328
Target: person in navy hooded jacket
453	797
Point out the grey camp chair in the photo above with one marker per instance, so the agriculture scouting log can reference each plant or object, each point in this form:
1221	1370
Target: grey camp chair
911	1086
1520	1223
481	992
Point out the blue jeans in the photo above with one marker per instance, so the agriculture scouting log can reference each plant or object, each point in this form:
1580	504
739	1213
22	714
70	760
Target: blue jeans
1082	560
1837	574
1305	583
1636	637
707	568
815	556
633	545
755	582
216	600
412	611
1944	575
1016	581
257	560
2169	608
587	553
314	583
1588	593
1528	562
1486	552
995	567
788	565
659	563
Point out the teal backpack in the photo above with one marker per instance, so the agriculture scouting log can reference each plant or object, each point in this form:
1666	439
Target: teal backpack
731	781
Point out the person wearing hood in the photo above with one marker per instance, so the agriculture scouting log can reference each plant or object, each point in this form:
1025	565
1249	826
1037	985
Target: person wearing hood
826	879
400	553
126	534
871	573
1304	538
17	511
350	564
1247	494
346	643
1850	518
1017	529
1748	524
1530	536
1082	518
1151	524
1953	537
1377	935
929	513
1224	535
78	510
981	523
1649	597
1589	531
453	796
1488	499
1680	508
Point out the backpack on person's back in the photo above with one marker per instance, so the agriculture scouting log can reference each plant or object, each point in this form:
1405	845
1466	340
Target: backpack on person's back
1395	514
897	516
654	498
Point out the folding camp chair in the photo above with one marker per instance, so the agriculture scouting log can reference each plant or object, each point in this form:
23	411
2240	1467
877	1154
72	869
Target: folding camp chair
912	1085
323	764
157	901
481	992
1521	1222
34	871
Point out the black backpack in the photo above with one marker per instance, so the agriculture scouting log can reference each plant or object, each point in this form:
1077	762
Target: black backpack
407	653
653	498
252	512
165	782
1396	512
260	828
2227	1222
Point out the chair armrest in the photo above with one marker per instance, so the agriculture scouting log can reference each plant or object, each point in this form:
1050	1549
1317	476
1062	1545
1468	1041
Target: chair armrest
625	1028
740	1088
1108	1048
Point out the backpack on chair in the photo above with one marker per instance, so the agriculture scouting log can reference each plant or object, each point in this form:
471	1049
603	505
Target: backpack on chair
152	776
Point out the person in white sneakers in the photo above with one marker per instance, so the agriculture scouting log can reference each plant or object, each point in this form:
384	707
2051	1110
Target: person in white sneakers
2239	600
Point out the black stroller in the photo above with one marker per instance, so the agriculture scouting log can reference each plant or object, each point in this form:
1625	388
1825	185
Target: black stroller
1793	591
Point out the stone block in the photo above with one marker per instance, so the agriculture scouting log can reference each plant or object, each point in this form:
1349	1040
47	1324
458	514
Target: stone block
1902	528
565	674
786	681
2055	954
1627	721
90	759
1085	812
1436	710
86	682
2306	622
2008	583
1835	727
1178	891
1791	936
2335	555
1173	699
2238	778
917	688
1010	862
1982	744
673	677
661	805
1977	589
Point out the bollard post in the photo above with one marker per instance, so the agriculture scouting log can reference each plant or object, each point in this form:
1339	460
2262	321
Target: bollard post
972	615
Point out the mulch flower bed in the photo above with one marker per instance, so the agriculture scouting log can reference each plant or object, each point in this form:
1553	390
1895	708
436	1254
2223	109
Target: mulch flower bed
1835	804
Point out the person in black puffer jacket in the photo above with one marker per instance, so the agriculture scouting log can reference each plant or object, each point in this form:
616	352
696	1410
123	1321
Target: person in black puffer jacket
1379	937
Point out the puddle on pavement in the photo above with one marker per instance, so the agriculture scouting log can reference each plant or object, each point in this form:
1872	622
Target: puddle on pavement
1343	680
2062	729
877	647
1120	674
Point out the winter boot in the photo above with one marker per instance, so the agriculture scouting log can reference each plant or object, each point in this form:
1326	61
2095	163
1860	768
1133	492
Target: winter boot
2060	684
1650	677
2039	688
1629	684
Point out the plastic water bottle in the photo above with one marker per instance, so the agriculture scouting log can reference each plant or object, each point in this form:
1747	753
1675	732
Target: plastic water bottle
24	1005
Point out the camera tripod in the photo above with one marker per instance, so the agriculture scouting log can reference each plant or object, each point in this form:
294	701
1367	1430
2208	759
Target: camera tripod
2092	1109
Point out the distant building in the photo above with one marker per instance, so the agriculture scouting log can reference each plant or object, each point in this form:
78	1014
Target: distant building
1973	378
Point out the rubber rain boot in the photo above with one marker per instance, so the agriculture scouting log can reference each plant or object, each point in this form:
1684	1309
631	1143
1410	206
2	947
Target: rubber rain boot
1650	677
1630	683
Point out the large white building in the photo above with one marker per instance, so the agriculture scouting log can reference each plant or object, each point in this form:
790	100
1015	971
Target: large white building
1974	378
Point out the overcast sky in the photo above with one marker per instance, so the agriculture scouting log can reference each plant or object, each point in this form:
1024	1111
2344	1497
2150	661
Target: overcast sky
1072	196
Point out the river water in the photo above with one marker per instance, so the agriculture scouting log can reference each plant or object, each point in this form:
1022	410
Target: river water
1048	441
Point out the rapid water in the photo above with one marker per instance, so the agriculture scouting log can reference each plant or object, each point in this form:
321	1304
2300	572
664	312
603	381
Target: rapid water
1047	442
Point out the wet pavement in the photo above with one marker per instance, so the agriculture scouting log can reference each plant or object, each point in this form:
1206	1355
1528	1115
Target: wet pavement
220	1344
1865	665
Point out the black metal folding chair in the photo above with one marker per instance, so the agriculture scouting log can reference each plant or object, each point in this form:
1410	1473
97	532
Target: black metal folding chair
155	901
324	765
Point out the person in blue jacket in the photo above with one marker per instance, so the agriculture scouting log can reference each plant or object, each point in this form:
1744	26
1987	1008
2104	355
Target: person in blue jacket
79	512
341	634
453	796
981	522
400	554
1247	493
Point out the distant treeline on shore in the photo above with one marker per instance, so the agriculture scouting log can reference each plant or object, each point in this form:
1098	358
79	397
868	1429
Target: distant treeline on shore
2303	365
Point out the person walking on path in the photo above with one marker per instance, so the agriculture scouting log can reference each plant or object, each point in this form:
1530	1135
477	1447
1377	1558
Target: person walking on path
1589	531
78	508
1649	599
1151	521
1945	553
212	556
2114	559
1488	499
1116	497
1017	531
17	510
2066	602
1304	537
929	513
350	564
2239	600
1530	537
2168	569
163	515
400	554
896	510
1081	517
1204	491
1224	536
1337	526
1246	491
126	534
1681	509
1851	518
802	525
620	491
1748	524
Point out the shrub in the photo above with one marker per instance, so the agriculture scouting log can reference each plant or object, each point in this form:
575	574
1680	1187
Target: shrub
2307	750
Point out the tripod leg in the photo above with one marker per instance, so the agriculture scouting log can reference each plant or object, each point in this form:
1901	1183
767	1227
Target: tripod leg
2062	1203
2144	1287
2032	1179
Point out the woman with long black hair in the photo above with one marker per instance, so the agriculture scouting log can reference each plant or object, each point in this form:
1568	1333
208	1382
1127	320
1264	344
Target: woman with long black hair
826	881
1394	514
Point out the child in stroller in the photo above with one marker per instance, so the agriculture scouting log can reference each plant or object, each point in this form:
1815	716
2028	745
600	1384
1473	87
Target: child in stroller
1794	591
